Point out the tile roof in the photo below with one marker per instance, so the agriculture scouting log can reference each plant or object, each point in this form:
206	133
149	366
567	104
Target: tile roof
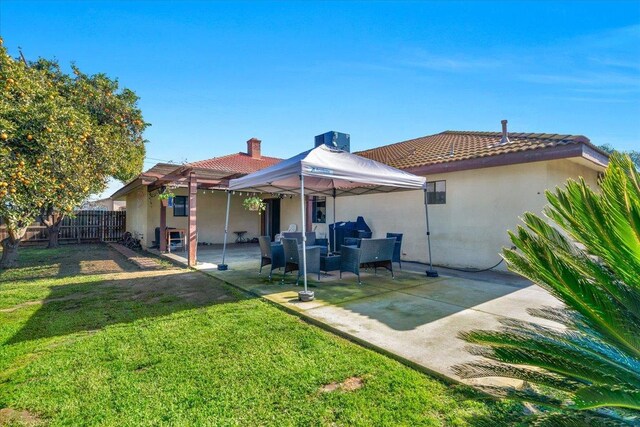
236	163
450	146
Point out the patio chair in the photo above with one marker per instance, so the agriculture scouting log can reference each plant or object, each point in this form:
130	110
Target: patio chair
371	253
362	234
351	241
293	258
270	254
397	250
312	240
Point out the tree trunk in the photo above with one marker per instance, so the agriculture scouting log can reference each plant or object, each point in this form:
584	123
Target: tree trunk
52	220
10	248
52	233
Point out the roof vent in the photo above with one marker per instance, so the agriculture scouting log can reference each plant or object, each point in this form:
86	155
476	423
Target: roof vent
505	134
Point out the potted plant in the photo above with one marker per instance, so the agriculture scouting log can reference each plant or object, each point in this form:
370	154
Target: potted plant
254	204
164	196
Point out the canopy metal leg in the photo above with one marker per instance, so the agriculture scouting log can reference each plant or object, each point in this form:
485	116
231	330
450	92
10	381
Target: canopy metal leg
304	295
335	243
430	272
223	266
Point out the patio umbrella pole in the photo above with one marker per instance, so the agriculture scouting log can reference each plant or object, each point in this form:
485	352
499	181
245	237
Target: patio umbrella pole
430	272
223	266
304	295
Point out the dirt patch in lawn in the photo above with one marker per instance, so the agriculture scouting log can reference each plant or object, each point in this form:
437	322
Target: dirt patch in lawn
350	384
10	416
186	285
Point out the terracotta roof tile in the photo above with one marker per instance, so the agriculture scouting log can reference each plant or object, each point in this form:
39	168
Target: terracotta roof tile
450	146
236	163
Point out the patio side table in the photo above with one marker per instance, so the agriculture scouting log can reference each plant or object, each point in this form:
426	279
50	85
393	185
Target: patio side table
330	263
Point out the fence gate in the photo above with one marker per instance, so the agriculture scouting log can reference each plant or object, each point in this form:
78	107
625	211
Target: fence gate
84	227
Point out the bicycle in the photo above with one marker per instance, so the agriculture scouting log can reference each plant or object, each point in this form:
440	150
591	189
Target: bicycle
130	241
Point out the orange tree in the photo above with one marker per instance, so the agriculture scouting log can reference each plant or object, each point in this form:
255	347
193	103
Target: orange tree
61	137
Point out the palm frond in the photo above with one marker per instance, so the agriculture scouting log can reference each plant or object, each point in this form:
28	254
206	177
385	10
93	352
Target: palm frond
541	377
590	397
592	265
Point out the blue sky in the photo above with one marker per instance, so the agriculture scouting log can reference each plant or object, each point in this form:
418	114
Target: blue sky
212	74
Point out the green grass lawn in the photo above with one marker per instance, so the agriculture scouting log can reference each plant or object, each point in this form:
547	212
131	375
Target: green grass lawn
88	339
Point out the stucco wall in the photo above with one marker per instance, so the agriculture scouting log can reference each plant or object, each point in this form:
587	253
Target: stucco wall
470	229
136	221
210	216
211	213
290	213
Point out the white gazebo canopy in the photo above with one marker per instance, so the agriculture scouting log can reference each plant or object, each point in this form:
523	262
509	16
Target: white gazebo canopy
324	169
327	171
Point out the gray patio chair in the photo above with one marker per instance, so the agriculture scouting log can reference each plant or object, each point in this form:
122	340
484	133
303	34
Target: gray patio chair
371	253
293	235
397	250
351	241
270	254
312	240
293	258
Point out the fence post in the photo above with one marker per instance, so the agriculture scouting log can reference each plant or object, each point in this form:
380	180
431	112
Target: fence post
78	226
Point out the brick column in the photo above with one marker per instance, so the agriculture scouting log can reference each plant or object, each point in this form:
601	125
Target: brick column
163	226
192	232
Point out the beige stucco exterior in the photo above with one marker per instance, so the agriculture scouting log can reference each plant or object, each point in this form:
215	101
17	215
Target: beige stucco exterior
137	203
481	205
143	216
468	231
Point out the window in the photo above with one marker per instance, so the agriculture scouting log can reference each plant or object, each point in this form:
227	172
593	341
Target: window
319	211
437	192
180	206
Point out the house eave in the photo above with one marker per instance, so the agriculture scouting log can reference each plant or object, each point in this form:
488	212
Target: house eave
596	158
127	188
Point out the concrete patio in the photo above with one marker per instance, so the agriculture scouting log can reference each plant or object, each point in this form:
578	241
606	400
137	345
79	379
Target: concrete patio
413	318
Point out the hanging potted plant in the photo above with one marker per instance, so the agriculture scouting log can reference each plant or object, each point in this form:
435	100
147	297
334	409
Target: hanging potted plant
254	204
165	195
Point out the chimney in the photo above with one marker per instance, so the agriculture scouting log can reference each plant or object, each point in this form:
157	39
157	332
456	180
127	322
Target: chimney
253	148
505	134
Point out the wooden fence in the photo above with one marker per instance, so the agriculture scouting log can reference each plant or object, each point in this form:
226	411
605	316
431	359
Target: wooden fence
84	227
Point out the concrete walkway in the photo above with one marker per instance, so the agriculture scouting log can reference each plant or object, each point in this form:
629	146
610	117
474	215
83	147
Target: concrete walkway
413	318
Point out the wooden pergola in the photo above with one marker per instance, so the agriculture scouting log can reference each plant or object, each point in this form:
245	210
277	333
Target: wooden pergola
194	179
